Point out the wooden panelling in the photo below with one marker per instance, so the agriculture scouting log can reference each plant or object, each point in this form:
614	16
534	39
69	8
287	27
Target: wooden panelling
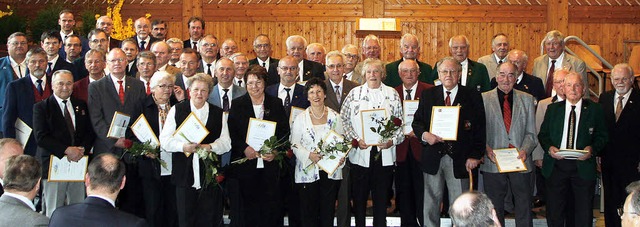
604	14
290	12
467	13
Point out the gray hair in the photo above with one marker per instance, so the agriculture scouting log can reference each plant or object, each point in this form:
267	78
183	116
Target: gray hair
474	213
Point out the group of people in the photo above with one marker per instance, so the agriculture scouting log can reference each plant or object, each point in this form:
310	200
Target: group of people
68	90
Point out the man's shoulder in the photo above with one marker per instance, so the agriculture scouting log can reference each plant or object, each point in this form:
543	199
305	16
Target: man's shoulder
5	61
485	59
540	58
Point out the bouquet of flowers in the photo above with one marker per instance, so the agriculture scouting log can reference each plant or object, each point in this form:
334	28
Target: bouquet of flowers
145	149
386	129
211	163
273	145
330	150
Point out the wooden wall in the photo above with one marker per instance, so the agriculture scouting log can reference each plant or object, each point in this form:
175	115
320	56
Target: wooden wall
332	22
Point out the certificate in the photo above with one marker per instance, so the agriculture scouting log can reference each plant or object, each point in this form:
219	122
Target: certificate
257	132
143	131
507	160
23	131
444	122
63	170
294	112
191	131
409	108
370	120
119	125
327	163
571	154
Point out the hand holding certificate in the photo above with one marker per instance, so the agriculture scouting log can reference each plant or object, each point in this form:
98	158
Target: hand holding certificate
370	119
409	109
143	131
63	170
191	131
444	122
257	133
333	149
507	160
119	125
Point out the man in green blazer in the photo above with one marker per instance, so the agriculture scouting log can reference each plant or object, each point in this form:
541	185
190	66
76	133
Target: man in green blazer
474	74
410	49
568	176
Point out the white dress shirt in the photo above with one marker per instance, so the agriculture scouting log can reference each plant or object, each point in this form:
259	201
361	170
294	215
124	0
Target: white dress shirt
34	80
282	94
69	108
266	63
465	70
567	111
20	69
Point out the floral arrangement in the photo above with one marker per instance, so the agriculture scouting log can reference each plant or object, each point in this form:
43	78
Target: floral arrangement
145	149
386	129
7	13
211	163
330	150
120	31
273	145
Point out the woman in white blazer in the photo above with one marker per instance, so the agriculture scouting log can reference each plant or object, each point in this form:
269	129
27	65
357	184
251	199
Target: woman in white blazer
318	189
372	169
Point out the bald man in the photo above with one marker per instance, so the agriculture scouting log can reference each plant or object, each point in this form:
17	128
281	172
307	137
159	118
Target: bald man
8	148
143	36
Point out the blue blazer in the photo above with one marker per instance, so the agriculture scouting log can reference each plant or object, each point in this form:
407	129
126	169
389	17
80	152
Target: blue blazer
6	76
94	212
299	98
216	100
18	103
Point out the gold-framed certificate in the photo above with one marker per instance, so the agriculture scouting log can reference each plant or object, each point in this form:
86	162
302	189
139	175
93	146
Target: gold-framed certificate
370	119
142	130
257	132
295	111
571	154
507	160
330	163
444	122
119	124
63	170
191	131
409	108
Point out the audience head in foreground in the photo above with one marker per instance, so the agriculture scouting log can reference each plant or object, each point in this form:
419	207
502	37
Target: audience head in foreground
473	209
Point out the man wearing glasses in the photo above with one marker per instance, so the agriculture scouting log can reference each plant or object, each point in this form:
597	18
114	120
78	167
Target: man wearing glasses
97	41
262	47
14	66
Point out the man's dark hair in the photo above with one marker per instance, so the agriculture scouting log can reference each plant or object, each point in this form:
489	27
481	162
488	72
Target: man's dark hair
95	31
157	22
192	19
51	34
21	173
106	171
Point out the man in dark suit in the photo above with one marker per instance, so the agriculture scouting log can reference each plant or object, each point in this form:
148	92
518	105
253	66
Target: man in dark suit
409	48
449	162
67	23
196	30
575	123
291	93
621	157
21	94
73	48
352	57
22	181
51	43
97	41
189	66
95	61
408	175
13	66
143	34
474	74
524	81
225	91
62	128
131	51
296	45
241	66
106	24
208	49
262	47
125	94
104	180
8	148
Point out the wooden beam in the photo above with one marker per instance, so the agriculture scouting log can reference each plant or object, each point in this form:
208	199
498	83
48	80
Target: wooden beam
558	15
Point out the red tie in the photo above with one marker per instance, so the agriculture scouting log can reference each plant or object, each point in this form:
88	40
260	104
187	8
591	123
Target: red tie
148	88
552	70
506	113
447	101
121	92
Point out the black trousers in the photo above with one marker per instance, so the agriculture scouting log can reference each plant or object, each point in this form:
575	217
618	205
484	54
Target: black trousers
291	195
202	207
496	187
261	197
409	191
615	179
318	201
343	210
375	179
160	201
565	185
130	198
232	190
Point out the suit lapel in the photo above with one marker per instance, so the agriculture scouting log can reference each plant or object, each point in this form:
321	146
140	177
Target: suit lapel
112	90
439	96
634	98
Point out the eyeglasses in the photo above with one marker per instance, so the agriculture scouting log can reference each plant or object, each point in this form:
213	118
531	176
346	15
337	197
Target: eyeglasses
292	68
625	80
99	41
117	60
621	212
336	66
94	62
351	56
18	43
448	72
258	46
409	71
166	86
209	45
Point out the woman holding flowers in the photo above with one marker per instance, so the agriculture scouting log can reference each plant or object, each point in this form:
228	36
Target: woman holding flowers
198	203
318	190
372	169
260	198
159	194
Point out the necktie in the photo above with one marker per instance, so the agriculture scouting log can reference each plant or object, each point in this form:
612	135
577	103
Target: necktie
408	96
195	46
68	121
225	100
338	95
287	101
49	69
239	83
619	107
499	62
549	85
572	127
506	112
148	88
39	86
264	65
447	100
121	92
344	77
209	69
20	71
142	45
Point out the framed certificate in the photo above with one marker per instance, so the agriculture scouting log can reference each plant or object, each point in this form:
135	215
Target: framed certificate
444	122
409	108
63	170
23	131
507	160
258	131
328	164
571	154
119	124
143	131
295	111
369	120
191	130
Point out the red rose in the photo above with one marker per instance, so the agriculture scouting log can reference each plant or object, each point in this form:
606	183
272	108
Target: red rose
290	153
128	143
220	178
354	143
397	122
